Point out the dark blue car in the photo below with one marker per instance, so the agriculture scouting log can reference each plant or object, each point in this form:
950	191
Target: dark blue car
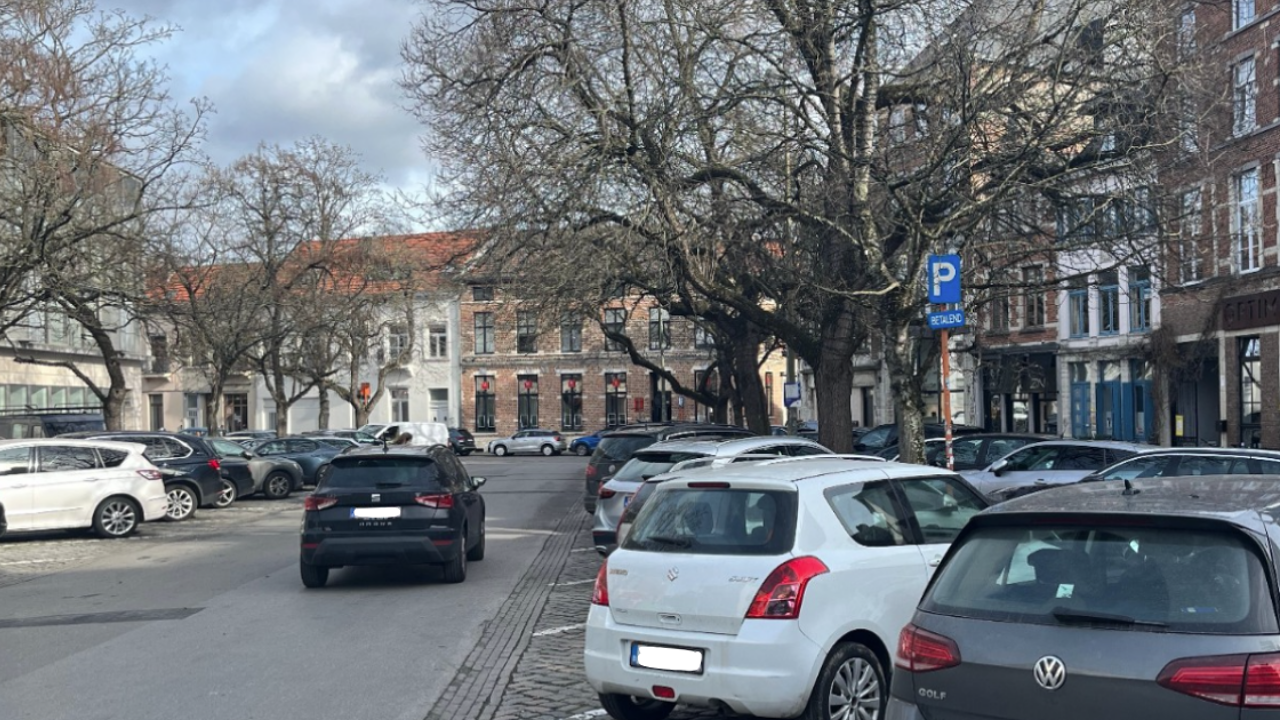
305	451
586	444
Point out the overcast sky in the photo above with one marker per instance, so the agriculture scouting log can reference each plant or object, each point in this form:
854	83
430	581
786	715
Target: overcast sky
280	70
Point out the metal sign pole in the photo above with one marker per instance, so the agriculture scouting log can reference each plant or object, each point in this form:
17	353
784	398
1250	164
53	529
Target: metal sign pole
945	339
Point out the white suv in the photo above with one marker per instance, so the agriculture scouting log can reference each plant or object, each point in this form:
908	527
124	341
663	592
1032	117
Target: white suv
773	590
54	484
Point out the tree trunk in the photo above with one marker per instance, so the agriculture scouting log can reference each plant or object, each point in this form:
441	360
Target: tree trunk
113	408
834	380
214	410
362	414
907	388
746	375
323	388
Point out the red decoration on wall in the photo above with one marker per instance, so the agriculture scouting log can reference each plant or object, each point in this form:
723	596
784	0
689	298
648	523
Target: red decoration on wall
616	382
572	383
528	384
484	385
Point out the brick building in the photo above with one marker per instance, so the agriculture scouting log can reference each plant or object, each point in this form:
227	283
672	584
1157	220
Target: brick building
1221	364
524	368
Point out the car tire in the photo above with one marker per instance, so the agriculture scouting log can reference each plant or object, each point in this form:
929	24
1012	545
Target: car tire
499	450
116	517
548	451
183	502
455	571
464	453
227	494
581	450
626	707
852	680
476	553
277	486
313	576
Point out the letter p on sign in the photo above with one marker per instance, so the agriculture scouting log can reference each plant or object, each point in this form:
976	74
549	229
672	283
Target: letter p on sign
944	278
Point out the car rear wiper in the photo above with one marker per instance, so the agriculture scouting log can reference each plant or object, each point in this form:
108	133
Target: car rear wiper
1067	615
385	485
680	541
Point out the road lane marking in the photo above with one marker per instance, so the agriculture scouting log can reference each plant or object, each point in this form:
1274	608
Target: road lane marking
582	549
586	715
573	582
557	631
28	562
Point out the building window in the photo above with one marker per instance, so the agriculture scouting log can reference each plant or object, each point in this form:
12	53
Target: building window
1033	302
485	404
703	338
399	404
1139	299
1244	97
238	411
1245	221
526	332
482	292
570	332
398	342
527	401
898	125
156	405
159	354
191	409
1000	315
484	333
1189	238
768	392
1109	302
615	321
571	402
1078	307
1076	220
1244	11
615	399
659	329
438	341
1250	389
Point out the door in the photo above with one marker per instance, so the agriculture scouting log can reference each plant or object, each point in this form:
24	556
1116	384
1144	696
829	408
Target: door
523	441
1109	410
15	486
1080	410
939	509
67	482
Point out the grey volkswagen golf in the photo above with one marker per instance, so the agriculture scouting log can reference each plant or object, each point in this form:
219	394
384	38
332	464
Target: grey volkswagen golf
1107	602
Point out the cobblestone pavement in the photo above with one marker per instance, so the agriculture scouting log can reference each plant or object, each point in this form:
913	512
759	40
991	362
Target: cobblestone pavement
27	556
528	663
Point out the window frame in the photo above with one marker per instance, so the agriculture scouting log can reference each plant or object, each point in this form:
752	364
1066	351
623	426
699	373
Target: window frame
659	329
1190	228
1034	313
484	333
438	341
1078	308
614	320
486	406
1109	302
1245	220
1139	299
571	332
526	332
1244	95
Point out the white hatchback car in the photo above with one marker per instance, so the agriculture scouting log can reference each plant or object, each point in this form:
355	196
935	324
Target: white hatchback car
775	590
54	484
1053	462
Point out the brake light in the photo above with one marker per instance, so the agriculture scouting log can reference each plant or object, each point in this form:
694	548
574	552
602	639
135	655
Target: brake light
710	485
151	474
318	502
922	651
606	494
780	596
215	463
1237	680
600	595
442	502
592	471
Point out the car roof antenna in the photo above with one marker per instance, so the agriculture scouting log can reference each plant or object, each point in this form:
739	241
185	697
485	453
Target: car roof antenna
1129	489
384	444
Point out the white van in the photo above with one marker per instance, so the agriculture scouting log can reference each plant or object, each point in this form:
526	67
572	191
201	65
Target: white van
423	433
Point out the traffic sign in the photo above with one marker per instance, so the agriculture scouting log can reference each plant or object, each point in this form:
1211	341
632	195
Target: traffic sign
791	394
946	319
943	278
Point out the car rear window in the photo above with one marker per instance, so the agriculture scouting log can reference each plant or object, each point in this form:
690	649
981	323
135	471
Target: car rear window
1160	579
648	464
622	447
715	521
416	473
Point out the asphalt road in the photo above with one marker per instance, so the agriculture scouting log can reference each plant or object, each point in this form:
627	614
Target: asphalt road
208	620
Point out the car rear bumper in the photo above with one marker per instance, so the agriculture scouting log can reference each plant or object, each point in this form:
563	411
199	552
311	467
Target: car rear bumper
387	550
155	507
767	669
902	710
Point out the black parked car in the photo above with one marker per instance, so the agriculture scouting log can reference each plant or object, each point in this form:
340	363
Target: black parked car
882	436
617	447
970	452
192	470
4	524
462	441
403	505
308	452
18	424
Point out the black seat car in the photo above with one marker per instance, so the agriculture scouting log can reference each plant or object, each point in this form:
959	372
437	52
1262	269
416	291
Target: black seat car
617	447
462	441
882	436
51	422
398	505
192	469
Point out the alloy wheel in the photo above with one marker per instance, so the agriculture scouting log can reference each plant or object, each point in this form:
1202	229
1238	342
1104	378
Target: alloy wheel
118	518
181	504
855	692
226	495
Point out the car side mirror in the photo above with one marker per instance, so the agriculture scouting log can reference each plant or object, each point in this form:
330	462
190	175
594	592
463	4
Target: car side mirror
478	481
246	455
998	467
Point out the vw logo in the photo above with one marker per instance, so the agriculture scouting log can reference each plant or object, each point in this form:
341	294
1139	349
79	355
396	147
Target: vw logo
1050	672
673	573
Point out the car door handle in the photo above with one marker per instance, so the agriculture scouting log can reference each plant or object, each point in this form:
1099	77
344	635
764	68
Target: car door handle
936	561
19	487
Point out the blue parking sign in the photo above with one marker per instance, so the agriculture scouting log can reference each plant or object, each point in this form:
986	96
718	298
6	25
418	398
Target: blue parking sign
943	278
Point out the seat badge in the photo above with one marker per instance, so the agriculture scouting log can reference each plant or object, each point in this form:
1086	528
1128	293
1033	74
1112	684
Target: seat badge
673	573
375	497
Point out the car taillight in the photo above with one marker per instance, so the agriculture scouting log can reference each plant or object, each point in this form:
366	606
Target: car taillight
1237	680
922	651
318	502
780	596
215	463
151	474
600	595
606	494
434	501
592	471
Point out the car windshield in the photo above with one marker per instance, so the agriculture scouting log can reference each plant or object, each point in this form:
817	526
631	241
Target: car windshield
226	448
716	521
638	500
648	464
386	472
876	438
53	428
620	448
1171	579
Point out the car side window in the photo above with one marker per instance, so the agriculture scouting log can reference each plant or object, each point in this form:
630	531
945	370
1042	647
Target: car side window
1269	467
941	506
112	458
272	448
999	447
806	451
1034	458
869	513
176	449
62	458
225	448
1202	465
1142	467
15	461
780	450
301	446
962	451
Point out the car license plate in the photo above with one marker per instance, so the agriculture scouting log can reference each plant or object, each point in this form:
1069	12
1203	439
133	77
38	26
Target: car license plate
626	499
657	657
376	512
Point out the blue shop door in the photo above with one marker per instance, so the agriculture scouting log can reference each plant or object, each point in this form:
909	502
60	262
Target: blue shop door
1110	410
1080	410
1139	412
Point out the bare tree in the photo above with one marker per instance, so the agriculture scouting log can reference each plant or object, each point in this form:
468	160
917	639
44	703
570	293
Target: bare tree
91	151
